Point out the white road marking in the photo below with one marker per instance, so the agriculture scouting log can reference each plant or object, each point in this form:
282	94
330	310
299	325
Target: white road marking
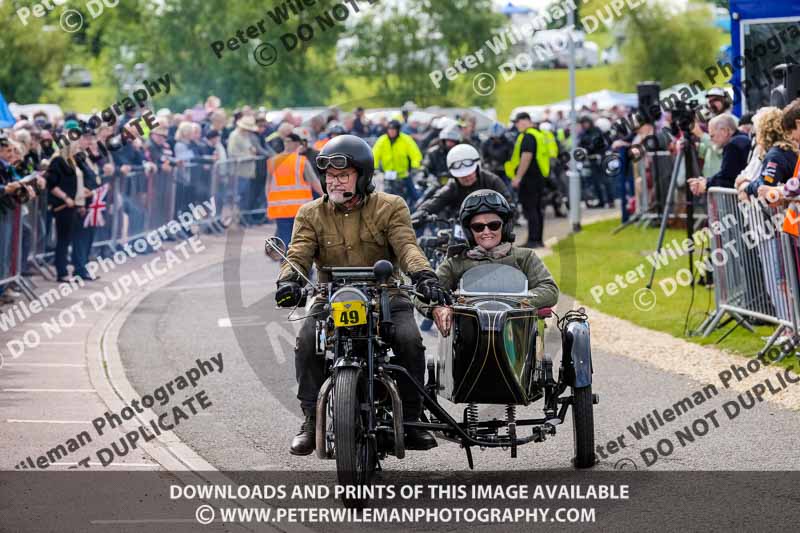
50	390
238	321
135	465
18	421
210	285
50	365
60	343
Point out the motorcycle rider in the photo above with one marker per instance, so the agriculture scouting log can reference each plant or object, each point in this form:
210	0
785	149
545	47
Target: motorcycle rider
463	163
496	150
487	218
353	226
397	154
435	161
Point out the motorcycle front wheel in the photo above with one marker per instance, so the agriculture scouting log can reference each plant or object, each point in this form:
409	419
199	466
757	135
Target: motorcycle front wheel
356	456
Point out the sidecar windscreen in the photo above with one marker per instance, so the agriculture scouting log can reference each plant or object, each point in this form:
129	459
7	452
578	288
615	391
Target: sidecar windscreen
493	278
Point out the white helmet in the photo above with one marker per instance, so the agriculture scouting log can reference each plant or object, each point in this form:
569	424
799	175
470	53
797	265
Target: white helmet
465	158
545	126
603	123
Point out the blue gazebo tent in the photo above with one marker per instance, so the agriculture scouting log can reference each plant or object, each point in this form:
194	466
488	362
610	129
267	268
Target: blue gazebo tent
763	35
6	118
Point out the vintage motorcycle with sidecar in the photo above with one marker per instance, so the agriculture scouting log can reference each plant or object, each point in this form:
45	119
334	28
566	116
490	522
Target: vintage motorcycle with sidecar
493	355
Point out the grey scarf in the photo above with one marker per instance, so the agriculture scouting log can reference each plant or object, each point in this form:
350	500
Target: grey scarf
499	251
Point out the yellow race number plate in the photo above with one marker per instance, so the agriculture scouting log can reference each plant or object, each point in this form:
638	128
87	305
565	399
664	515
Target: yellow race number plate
346	314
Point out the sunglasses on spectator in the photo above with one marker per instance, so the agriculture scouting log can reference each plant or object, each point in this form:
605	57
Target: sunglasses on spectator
494	225
338	162
463	163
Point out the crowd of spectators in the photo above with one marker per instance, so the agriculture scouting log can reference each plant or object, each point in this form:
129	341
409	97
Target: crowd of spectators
183	147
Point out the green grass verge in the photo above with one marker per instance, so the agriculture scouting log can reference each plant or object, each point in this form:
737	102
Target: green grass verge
540	87
88	99
595	257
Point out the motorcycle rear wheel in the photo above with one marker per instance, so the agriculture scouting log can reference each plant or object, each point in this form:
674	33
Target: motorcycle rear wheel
356	456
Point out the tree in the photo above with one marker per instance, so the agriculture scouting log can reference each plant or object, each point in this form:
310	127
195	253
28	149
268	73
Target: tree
667	48
399	49
175	37
33	56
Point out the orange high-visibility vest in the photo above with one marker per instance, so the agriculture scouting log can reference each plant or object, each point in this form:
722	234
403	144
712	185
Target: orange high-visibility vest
320	143
287	189
790	219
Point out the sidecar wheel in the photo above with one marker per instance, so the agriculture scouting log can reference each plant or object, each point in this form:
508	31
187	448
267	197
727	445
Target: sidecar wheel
583	427
355	453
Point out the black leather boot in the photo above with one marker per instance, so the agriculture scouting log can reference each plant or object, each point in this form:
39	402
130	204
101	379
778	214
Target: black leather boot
306	440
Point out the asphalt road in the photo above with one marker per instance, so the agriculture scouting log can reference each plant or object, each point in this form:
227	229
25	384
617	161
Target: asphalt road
229	309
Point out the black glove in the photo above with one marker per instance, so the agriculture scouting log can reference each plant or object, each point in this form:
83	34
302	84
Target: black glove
289	294
427	284
418	219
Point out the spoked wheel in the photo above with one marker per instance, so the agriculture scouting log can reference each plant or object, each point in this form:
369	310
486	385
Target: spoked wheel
355	453
583	427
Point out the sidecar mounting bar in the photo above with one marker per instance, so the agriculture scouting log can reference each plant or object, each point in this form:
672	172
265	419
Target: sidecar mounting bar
450	423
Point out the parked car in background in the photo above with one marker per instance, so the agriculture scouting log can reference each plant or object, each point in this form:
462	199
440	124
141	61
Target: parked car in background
75	76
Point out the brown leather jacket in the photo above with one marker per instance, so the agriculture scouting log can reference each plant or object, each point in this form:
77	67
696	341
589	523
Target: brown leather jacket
380	228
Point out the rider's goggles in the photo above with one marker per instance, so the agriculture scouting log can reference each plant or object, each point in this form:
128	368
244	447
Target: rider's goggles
463	163
338	162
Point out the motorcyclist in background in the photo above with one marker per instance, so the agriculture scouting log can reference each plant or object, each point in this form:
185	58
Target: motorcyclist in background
435	160
463	163
496	150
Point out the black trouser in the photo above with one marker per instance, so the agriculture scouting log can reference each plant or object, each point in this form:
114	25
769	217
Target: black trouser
409	352
82	238
531	191
65	223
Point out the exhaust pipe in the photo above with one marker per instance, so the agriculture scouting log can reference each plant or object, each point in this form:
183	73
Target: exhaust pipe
397	415
322	411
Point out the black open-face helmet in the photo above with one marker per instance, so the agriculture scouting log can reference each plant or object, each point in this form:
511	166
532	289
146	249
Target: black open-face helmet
348	151
486	201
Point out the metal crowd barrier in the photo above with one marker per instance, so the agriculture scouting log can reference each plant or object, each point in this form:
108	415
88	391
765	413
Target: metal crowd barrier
239	197
754	263
136	204
11	251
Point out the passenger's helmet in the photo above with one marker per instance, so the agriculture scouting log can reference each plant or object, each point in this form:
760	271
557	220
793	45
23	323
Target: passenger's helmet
394	125
486	201
359	156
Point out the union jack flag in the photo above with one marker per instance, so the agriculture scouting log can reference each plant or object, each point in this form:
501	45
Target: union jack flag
94	214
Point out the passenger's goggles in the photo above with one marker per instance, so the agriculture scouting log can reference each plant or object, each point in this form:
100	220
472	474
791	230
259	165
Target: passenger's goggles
463	163
339	162
494	225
